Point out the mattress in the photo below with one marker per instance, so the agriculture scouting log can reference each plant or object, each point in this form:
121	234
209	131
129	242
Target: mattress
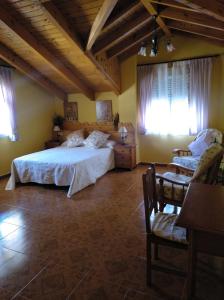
74	167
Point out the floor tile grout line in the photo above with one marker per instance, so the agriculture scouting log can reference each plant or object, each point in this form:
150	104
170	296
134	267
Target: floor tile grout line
19	292
19	252
78	284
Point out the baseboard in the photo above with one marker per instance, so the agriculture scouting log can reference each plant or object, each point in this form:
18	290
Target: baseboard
4	176
157	164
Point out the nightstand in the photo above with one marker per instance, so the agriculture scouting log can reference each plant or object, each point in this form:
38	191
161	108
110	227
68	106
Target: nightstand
125	156
52	144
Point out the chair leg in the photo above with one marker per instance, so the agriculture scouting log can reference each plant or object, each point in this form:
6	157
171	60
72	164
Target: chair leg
161	206
149	262
156	251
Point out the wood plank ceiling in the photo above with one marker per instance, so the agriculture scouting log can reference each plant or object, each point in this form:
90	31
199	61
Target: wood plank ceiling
72	46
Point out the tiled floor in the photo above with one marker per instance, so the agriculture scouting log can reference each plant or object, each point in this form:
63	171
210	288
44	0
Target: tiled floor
91	247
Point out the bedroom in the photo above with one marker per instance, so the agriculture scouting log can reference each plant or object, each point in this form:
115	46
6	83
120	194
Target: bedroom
36	107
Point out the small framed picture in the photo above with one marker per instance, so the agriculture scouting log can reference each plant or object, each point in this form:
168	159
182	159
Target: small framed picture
71	111
104	110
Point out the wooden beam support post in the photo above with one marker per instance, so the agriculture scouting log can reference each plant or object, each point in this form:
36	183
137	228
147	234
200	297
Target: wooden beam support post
147	4
119	34
63	26
70	75
14	60
192	18
99	22
212	8
198	30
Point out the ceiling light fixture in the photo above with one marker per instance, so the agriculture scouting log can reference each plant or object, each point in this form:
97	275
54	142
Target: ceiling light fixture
169	46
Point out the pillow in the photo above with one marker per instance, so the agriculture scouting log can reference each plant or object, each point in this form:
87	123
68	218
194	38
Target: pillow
198	146
74	139
96	139
110	144
75	134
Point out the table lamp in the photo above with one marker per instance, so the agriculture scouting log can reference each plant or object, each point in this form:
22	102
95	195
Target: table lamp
123	134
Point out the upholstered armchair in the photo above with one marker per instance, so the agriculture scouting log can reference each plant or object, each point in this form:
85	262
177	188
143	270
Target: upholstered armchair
172	186
190	157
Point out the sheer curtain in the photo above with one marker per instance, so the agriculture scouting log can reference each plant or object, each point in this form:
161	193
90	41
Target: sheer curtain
173	98
7	105
199	92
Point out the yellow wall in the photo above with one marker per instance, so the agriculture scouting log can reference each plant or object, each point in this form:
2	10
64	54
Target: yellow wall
159	148
149	147
35	109
87	108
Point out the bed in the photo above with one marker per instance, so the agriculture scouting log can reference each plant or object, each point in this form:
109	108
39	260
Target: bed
74	167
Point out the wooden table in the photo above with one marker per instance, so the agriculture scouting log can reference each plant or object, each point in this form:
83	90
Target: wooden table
202	214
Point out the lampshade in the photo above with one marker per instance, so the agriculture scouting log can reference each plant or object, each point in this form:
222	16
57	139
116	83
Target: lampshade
122	129
56	128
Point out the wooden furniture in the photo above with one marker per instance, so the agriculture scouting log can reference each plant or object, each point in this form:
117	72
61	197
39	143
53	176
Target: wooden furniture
125	156
202	214
173	185
161	230
52	144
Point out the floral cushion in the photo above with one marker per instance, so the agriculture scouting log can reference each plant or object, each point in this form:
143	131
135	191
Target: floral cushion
179	192
163	225
96	139
207	159
187	161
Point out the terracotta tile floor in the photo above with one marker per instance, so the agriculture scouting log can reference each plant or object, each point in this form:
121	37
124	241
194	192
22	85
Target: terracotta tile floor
91	247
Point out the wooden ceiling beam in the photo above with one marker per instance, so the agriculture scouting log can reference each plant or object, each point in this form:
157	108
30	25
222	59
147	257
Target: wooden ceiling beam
122	32
99	21
113	21
71	75
59	21
152	11
64	27
174	4
192	18
129	42
198	30
212	8
14	60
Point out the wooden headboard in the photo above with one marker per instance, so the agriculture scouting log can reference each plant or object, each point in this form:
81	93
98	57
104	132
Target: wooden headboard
106	127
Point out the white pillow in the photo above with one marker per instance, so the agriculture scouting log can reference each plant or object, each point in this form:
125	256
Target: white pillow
96	139
110	144
74	139
198	146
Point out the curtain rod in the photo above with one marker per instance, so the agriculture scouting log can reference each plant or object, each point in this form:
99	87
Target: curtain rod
7	66
170	61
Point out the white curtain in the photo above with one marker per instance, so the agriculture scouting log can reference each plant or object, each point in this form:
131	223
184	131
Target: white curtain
199	92
7	105
167	103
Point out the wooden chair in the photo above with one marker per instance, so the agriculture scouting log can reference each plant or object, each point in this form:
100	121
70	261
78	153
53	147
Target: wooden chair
186	158
172	186
160	229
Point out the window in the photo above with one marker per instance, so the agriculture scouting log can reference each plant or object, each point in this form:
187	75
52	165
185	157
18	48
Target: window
170	97
7	105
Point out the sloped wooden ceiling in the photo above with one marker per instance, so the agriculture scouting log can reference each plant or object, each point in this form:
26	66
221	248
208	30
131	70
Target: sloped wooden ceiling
72	46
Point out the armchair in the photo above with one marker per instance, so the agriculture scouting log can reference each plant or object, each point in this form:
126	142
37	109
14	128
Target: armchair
190	157
172	186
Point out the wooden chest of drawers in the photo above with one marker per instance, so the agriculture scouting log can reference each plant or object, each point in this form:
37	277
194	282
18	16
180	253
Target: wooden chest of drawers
125	156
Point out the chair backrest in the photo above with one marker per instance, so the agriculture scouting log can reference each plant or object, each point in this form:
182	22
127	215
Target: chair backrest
150	200
208	166
212	135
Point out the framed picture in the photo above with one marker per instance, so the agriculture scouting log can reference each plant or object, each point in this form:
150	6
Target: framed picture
71	111
104	110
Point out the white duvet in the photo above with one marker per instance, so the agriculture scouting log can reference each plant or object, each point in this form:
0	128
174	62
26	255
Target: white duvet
74	167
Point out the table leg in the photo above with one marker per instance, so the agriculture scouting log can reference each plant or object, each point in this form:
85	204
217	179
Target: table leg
192	260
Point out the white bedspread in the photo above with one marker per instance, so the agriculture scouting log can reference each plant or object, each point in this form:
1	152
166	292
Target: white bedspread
74	167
